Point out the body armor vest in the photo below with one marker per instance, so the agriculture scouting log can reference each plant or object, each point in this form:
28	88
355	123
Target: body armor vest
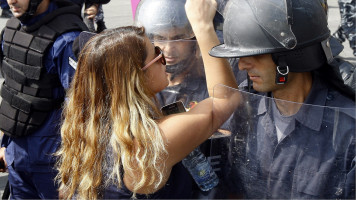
27	92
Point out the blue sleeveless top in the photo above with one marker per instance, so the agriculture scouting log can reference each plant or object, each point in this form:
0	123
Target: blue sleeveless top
178	186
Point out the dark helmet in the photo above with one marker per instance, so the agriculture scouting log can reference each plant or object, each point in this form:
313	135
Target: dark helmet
32	7
325	5
295	30
159	16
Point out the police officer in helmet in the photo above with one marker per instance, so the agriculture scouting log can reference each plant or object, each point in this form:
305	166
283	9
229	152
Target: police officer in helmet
37	64
295	44
168	27
294	145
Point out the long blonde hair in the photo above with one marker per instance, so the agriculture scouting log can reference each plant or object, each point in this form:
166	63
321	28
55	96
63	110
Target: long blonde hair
110	105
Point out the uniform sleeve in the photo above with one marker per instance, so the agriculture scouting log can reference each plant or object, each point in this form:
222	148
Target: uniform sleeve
350	187
5	141
61	58
350	182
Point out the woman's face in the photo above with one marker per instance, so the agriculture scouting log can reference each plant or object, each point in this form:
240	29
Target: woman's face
156	76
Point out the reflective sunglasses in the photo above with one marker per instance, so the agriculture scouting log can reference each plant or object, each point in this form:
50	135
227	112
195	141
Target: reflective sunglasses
159	52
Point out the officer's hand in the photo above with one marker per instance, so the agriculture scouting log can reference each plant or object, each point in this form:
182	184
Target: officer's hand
92	11
200	12
3	164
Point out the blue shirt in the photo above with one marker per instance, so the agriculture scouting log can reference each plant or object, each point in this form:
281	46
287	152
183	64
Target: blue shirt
35	152
316	159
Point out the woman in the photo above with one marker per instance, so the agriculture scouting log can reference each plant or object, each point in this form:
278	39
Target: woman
113	134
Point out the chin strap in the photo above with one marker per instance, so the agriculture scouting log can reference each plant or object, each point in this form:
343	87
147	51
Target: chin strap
32	8
282	71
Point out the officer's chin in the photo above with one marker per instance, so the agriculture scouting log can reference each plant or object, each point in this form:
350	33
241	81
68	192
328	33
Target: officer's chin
171	63
17	15
170	68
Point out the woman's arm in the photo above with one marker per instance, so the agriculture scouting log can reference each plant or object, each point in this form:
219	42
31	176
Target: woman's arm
217	70
186	131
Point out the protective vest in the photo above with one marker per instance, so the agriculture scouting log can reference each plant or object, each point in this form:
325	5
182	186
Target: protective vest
27	92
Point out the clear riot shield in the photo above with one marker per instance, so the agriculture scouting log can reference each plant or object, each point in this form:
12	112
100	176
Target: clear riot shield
279	149
187	84
185	73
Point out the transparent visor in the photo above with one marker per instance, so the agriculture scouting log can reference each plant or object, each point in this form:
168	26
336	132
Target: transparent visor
274	16
163	19
185	72
302	146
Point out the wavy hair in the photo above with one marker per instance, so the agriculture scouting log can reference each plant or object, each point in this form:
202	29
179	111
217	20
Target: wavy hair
110	107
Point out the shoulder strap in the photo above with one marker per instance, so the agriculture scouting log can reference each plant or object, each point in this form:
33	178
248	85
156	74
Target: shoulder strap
1	52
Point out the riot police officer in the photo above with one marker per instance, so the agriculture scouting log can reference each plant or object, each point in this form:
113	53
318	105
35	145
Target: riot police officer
167	25
347	28
169	28
37	64
296	139
347	69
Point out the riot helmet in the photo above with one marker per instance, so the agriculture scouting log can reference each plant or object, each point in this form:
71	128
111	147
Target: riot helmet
31	10
325	5
167	25
159	16
295	32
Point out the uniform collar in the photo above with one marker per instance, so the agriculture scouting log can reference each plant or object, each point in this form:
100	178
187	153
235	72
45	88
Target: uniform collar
311	113
52	6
